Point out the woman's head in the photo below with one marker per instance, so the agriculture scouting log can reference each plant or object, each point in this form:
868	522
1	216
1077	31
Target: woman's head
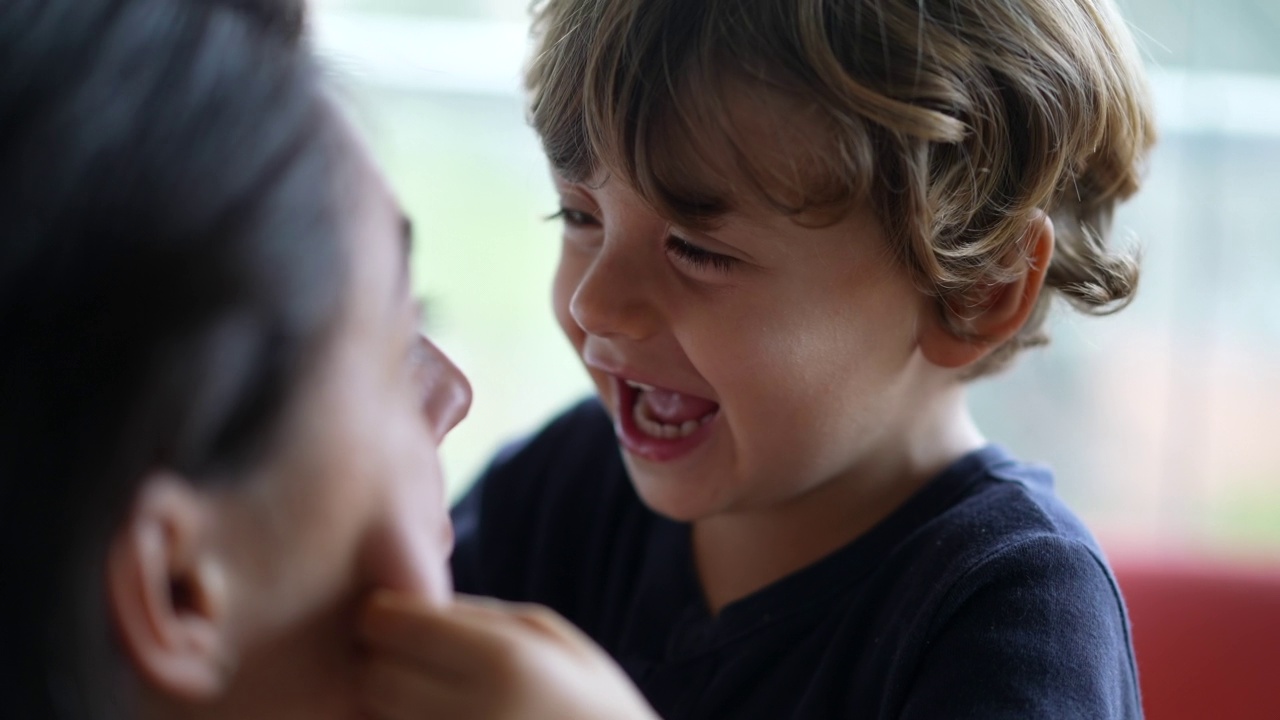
217	419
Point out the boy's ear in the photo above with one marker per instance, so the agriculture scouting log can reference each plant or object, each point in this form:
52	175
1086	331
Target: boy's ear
167	591
993	314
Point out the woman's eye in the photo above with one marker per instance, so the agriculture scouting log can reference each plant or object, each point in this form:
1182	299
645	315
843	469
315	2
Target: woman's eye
420	368
418	352
417	359
575	218
698	258
418	355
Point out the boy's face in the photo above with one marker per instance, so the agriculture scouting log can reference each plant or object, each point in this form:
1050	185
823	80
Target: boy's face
747	366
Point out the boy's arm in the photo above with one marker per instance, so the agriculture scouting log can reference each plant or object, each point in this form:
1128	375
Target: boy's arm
1037	630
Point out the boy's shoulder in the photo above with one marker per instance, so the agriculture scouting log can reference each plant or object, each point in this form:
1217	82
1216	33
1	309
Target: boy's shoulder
1000	503
1003	525
1005	581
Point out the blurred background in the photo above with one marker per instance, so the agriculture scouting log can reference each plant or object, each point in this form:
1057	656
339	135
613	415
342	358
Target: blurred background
1163	422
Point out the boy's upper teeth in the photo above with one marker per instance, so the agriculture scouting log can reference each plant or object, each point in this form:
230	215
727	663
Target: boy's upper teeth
640	386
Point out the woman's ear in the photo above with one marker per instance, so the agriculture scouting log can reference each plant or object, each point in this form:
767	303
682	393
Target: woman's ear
991	315
167	590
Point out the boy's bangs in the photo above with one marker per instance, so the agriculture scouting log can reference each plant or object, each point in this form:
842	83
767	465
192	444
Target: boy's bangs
719	143
663	99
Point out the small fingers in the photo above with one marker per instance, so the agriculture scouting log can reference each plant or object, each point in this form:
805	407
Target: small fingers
394	690
540	619
437	639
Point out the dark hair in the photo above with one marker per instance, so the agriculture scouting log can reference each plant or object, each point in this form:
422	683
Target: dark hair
169	262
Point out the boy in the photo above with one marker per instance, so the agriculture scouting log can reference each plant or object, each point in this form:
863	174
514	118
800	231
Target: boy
793	231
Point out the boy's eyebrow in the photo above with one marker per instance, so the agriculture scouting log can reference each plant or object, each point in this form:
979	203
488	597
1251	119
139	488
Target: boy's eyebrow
572	174
563	177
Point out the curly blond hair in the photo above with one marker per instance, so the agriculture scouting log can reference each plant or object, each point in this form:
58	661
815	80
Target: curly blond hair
958	122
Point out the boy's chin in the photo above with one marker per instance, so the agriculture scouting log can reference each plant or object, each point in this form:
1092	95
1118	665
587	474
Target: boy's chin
674	492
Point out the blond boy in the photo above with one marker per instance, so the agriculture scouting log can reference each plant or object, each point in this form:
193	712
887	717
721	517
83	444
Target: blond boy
794	230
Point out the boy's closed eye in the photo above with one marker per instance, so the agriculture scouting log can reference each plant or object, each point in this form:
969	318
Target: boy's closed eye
697	257
683	251
574	218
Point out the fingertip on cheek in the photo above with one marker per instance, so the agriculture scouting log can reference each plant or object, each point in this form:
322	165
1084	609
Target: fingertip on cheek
386	616
411	563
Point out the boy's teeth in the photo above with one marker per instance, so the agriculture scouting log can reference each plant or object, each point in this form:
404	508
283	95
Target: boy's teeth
640	386
656	429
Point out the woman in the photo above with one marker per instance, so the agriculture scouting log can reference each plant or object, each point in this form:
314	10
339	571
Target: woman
218	418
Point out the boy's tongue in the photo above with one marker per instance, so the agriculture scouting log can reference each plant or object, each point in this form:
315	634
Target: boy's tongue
673	408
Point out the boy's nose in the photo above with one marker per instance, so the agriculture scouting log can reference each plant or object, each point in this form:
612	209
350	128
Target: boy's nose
610	301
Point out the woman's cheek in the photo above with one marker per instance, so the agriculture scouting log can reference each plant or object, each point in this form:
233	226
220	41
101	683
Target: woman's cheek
407	546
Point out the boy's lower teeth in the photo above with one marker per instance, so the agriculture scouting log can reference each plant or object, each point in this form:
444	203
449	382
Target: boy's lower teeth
666	431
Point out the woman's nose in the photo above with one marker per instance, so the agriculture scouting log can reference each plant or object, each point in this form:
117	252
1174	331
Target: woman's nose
448	394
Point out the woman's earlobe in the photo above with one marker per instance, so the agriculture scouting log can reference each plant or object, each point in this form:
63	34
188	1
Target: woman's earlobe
168	592
956	337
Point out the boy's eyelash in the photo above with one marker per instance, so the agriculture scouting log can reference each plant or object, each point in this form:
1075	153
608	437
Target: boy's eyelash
683	249
699	258
573	217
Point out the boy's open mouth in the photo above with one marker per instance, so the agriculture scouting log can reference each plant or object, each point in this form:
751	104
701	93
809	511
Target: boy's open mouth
668	414
661	424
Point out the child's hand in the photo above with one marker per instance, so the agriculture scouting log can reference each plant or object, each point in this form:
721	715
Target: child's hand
487	660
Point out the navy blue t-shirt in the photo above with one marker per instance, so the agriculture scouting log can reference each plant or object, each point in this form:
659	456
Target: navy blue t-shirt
980	597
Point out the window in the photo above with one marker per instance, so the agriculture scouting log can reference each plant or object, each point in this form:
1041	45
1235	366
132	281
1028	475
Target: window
1162	421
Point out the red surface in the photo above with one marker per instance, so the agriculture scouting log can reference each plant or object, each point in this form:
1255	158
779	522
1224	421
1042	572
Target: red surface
1207	637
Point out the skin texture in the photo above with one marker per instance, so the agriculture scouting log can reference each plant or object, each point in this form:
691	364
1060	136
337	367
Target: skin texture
242	602
483	659
840	391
